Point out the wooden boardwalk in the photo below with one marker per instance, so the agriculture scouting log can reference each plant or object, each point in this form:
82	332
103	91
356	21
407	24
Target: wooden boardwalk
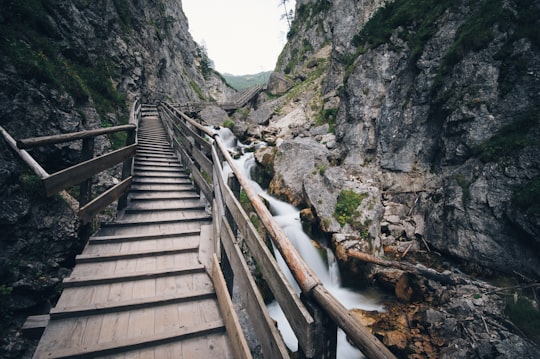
141	288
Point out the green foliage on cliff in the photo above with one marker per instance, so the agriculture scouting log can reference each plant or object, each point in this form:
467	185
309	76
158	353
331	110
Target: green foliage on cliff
509	139
527	196
416	20
123	11
31	43
305	15
346	206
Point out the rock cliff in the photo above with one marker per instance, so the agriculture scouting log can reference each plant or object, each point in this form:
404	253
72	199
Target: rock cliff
435	106
68	66
410	128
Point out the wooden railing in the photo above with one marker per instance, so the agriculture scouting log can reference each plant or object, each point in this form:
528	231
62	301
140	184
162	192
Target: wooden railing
83	172
315	315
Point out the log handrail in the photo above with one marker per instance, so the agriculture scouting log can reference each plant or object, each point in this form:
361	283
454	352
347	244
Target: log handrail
311	286
82	173
32	142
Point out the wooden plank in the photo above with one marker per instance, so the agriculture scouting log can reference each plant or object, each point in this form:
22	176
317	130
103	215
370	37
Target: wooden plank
67	137
133	304
199	140
238	341
124	345
34	326
206	189
206	247
266	331
140	237
193	217
89	211
78	173
76	281
93	258
203	161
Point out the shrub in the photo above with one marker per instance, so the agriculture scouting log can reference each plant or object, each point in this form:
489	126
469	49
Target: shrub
509	139
527	196
346	207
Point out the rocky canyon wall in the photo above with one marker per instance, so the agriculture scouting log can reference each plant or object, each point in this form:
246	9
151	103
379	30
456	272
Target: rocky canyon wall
436	119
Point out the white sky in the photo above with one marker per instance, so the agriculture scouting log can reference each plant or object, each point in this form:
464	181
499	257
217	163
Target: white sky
241	36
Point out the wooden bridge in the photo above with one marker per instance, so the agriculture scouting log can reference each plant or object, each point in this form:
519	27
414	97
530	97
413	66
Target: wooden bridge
241	99
157	282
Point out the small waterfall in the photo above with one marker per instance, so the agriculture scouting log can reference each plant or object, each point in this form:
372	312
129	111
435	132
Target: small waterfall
288	217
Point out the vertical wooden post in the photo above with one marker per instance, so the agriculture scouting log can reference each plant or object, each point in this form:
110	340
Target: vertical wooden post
127	167
325	340
85	188
228	273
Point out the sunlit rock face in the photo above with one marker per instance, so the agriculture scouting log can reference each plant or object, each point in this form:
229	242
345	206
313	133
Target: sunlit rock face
440	115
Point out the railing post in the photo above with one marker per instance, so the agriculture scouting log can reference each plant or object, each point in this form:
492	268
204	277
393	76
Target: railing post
127	167
325	338
85	188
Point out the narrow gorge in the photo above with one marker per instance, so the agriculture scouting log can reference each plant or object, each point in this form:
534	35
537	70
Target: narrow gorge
405	131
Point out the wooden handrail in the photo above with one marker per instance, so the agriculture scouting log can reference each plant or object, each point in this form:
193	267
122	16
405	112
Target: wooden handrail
67	137
82	172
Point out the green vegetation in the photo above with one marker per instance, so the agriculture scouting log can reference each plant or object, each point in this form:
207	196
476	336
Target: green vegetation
522	313
305	15
123	11
416	20
243	82
321	169
510	139
228	123
30	42
464	183
527	196
478	31
197	90
346	207
327	116
31	184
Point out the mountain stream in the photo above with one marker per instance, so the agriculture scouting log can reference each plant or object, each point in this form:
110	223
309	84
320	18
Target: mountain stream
288	217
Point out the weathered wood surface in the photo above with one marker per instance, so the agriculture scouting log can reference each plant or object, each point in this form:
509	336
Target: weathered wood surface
141	288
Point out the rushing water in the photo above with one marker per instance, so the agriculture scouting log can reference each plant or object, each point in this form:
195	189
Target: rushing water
288	217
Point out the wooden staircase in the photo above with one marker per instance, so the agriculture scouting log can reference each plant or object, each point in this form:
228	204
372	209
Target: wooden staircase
141	286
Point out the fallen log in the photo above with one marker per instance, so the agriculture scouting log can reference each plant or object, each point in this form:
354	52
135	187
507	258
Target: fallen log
445	277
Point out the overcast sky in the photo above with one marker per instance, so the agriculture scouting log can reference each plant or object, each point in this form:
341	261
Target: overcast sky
241	36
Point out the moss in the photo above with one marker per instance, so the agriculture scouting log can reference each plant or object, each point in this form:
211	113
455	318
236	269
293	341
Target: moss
416	20
197	90
527	196
327	116
464	183
32	185
124	12
522	313
510	139
346	207
30	42
477	32
229	124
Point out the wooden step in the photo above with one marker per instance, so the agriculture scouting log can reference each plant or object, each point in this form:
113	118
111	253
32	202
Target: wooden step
144	219
107	257
134	304
83	281
161	187
123	345
95	240
150	175
161	180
